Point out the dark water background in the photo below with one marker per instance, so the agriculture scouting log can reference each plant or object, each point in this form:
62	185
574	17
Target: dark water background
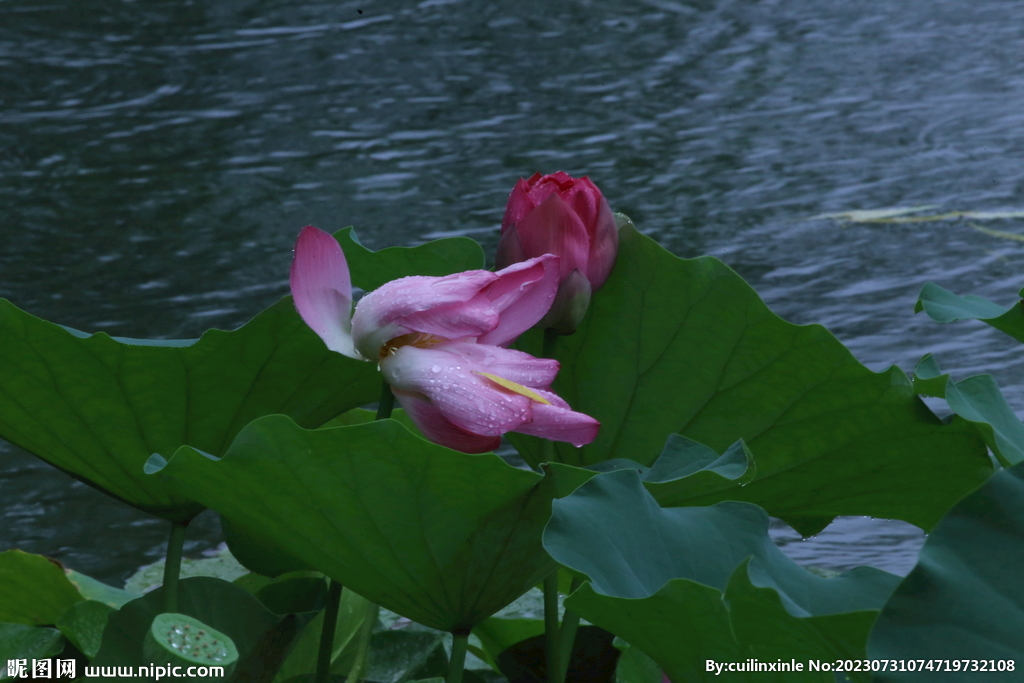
158	157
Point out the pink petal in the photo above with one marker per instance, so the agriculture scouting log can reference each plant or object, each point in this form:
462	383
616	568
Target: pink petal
447	378
520	367
585	199
559	182
558	423
447	306
554	228
604	247
439	429
322	289
519	203
522	294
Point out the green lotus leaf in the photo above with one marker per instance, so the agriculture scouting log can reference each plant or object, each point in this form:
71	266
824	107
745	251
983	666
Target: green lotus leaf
371	269
979	401
634	666
441	537
261	637
963	600
98	407
83	624
405	655
671	345
19	641
944	306
34	590
710	577
687	471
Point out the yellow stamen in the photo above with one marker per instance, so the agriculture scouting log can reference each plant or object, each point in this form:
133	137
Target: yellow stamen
512	386
418	339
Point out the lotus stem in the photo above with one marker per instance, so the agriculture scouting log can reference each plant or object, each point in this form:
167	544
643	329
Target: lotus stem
386	403
457	663
323	655
552	636
172	565
323	660
552	646
567	636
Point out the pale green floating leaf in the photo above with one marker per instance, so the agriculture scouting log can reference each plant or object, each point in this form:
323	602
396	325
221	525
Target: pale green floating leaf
998	233
872	214
221	565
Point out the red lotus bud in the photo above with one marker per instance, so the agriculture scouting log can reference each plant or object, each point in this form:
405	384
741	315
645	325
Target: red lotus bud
569	217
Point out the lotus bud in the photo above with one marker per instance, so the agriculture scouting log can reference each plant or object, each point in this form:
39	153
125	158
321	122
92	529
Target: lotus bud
569	217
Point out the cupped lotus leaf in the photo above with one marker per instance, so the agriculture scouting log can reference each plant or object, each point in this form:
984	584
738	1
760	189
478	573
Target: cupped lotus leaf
964	599
686	346
371	269
262	638
687	471
944	306
690	584
34	590
979	401
441	537
98	408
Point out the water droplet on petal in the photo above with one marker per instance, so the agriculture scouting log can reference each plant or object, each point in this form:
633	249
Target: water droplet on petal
436	368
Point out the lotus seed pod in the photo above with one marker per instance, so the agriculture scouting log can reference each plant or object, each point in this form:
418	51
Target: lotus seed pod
184	641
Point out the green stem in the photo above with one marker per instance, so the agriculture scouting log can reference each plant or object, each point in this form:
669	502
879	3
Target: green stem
323	655
457	663
386	403
550	339
552	637
551	634
548	351
570	624
172	565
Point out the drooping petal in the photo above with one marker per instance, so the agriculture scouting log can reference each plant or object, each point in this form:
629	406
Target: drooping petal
556	421
604	246
448	380
447	306
322	289
517	366
439	429
554	228
521	295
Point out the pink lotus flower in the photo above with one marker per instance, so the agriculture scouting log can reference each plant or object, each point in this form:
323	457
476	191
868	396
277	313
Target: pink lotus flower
569	217
439	342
